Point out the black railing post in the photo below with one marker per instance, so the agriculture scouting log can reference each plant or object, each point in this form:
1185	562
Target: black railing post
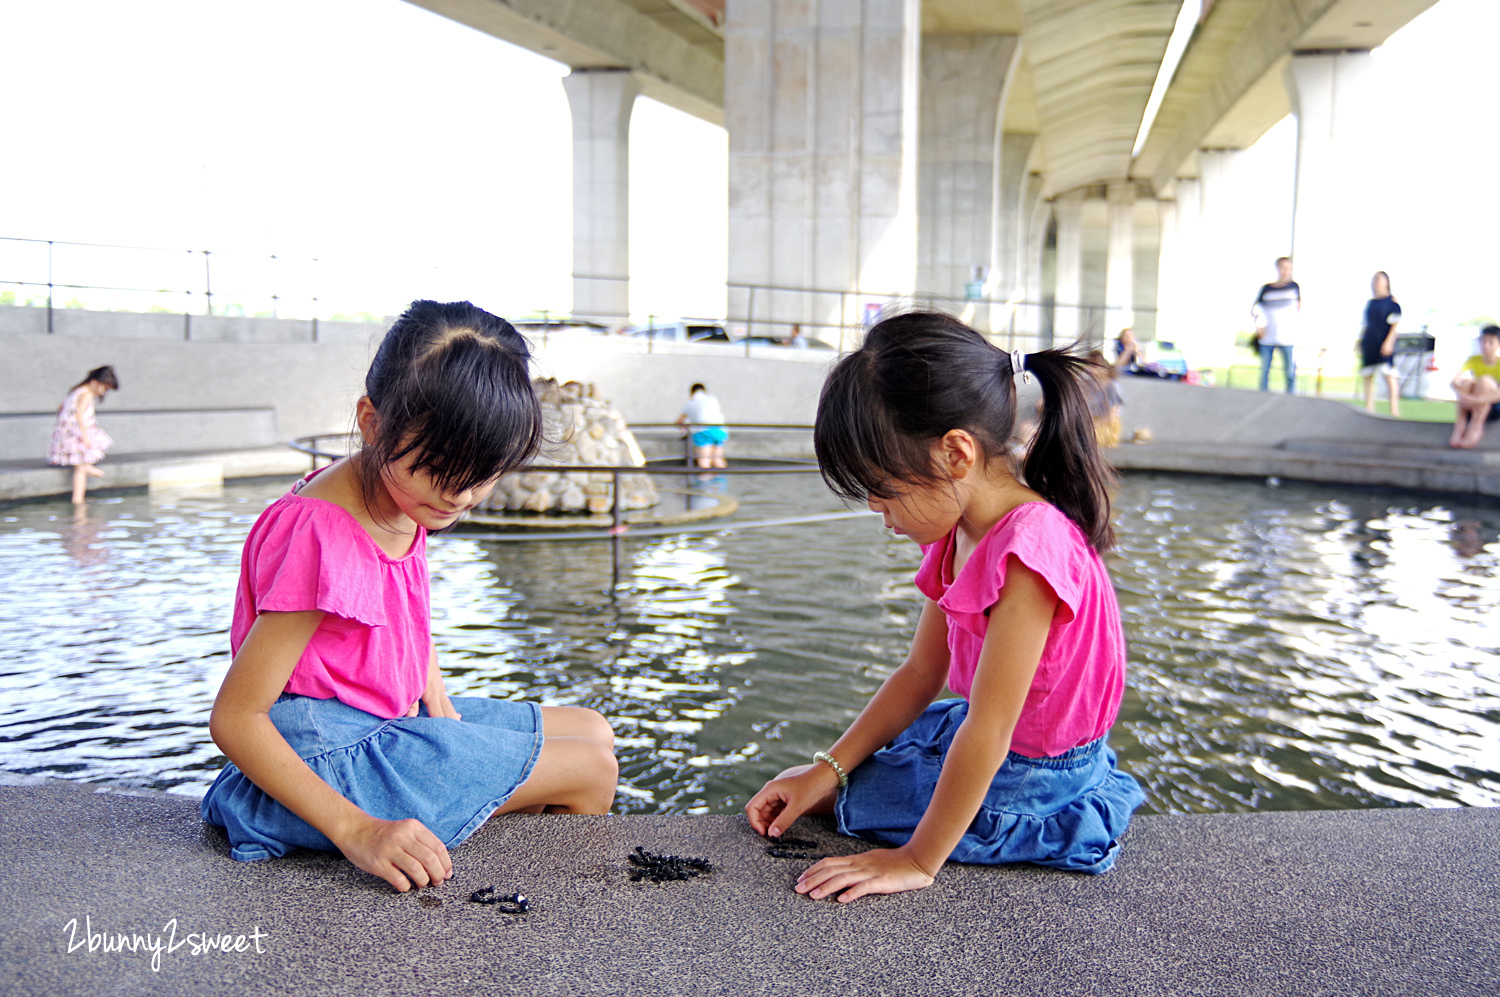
208	290
49	287
616	530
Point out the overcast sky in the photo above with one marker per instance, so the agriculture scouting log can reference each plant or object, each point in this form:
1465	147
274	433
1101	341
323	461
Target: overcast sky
416	157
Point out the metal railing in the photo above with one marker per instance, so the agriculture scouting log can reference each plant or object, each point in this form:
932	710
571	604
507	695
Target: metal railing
619	528
193	276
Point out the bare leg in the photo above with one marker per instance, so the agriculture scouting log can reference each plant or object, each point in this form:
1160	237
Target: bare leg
1369	392
1460	426
576	772
1395	392
716	457
80	482
1476	427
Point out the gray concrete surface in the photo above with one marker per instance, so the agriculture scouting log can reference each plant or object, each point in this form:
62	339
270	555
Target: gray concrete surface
1379	902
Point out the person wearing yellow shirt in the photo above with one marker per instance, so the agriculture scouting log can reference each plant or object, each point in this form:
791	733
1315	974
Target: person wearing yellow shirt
1478	388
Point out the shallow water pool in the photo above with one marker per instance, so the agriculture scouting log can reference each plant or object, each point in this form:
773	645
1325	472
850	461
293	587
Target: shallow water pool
1292	647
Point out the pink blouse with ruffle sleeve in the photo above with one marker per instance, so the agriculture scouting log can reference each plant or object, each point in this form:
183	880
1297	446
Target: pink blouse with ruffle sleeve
372	649
1080	680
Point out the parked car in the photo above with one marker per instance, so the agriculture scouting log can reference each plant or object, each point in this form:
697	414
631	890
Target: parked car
681	332
812	344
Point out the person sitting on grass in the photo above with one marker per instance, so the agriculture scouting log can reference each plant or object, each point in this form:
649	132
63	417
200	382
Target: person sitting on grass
1478	388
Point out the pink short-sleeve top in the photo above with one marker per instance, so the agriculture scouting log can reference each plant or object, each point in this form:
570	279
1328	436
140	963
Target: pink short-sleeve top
372	649
1080	679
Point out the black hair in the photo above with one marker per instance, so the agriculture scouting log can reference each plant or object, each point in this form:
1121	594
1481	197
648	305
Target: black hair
922	374
1382	273
697	388
1491	330
104	375
450	384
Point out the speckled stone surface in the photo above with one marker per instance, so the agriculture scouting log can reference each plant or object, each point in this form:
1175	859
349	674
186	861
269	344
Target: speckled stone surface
1349	902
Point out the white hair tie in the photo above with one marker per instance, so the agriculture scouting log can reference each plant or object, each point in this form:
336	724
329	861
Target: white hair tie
1018	366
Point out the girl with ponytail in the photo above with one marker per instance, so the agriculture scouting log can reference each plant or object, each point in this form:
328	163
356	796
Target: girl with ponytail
1020	620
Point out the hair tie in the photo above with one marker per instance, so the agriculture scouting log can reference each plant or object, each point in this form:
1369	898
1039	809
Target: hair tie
1018	366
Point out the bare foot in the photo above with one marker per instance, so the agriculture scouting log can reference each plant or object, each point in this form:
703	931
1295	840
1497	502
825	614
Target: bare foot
93	471
1456	440
1474	435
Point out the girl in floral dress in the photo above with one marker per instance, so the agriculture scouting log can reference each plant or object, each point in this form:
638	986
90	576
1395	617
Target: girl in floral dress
77	440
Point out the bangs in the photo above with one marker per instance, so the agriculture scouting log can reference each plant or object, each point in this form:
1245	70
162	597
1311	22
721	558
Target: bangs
470	416
860	451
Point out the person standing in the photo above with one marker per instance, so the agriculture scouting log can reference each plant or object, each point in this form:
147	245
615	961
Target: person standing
1276	310
77	440
703	419
1377	345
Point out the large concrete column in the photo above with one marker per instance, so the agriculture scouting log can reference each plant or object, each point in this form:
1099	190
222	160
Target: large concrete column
1179	311
962	97
1032	317
1009	236
1119	267
1335	235
820	99
601	101
1067	321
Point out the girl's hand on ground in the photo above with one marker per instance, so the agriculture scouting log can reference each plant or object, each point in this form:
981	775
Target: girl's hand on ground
884	870
782	800
404	853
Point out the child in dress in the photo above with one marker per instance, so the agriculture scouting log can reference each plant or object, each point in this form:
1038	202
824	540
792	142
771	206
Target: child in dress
77	440
333	715
1020	620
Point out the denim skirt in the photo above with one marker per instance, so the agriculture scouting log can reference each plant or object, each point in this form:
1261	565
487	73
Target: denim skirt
1066	812
449	774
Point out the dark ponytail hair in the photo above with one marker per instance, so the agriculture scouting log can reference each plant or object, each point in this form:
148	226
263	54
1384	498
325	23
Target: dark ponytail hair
104	375
450	384
921	374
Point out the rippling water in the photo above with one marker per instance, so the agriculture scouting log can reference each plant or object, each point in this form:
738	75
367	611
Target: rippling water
1292	647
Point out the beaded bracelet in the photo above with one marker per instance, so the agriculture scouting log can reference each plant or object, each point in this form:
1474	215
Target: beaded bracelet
823	756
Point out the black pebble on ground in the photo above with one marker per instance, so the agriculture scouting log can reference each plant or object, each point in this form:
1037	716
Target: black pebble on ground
665	868
794	848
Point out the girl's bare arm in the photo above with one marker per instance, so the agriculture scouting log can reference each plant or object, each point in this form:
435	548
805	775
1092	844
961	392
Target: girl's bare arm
1017	634
898	702
401	852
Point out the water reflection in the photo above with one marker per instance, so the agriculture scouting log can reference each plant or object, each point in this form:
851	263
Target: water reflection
1291	647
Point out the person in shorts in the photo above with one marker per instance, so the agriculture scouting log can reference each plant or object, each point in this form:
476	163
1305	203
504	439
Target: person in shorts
1377	344
703	418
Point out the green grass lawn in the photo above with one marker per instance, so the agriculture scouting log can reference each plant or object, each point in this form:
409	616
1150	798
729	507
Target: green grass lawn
1338	389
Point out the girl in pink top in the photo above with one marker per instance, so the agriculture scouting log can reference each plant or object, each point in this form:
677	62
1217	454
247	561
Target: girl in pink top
333	715
1020	620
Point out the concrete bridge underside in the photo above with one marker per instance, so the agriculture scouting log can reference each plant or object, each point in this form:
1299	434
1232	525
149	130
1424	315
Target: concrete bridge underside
938	147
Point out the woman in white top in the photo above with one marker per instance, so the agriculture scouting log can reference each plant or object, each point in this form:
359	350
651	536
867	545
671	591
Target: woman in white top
704	420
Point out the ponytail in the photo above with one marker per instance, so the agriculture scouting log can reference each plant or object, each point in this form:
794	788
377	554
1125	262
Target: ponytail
1063	464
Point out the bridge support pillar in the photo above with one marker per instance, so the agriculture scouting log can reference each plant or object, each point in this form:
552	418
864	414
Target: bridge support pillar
601	101
962	93
1019	192
1067	320
1119	266
1336	132
821	108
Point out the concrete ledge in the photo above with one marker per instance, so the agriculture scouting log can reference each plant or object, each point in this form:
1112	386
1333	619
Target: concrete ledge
140	431
1419	470
37	479
1332	902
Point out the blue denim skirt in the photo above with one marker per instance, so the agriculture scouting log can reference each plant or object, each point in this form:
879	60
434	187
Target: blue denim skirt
1066	812
449	774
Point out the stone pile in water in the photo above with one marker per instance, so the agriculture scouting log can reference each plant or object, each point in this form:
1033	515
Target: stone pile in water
579	427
